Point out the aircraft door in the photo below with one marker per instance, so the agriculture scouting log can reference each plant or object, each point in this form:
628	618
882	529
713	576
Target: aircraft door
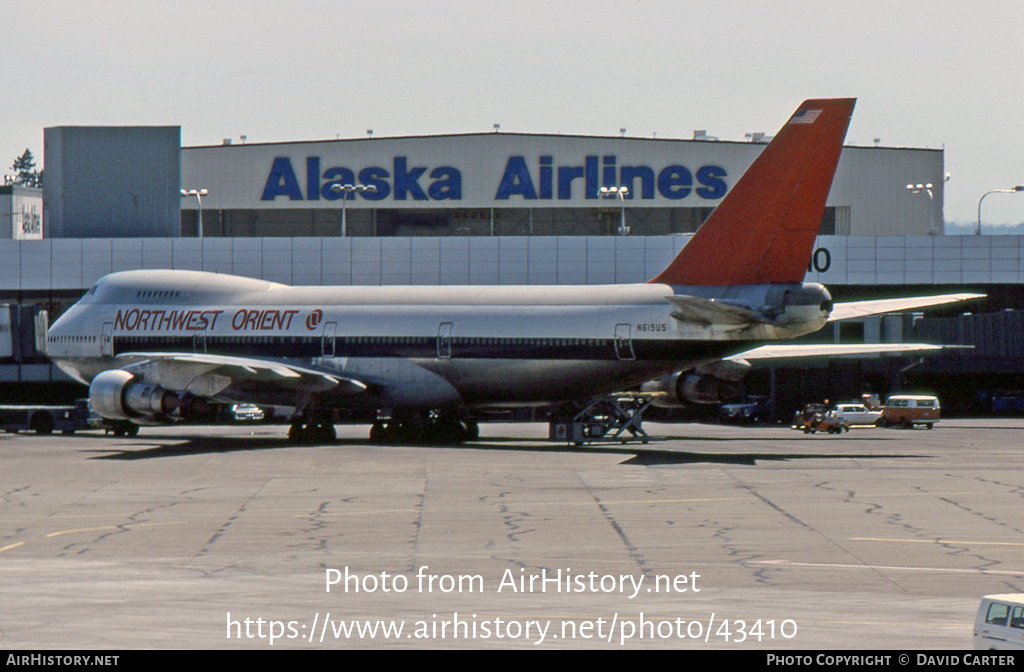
199	341
327	341
624	341
444	340
107	339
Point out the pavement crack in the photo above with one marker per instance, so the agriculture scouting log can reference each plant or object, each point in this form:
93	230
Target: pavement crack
230	521
631	548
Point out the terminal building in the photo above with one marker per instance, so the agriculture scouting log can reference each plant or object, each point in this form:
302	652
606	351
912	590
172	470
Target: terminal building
498	208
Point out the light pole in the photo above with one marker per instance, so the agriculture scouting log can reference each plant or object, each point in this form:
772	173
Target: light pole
619	193
345	190
917	189
994	191
198	193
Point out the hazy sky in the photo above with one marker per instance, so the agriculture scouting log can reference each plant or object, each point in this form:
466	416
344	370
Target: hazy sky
926	73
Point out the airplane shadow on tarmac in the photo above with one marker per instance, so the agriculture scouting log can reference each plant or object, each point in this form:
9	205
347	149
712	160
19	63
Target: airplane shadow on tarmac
638	454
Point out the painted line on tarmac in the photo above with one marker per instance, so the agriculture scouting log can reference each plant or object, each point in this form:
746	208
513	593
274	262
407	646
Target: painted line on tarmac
825	565
941	541
128	526
920	494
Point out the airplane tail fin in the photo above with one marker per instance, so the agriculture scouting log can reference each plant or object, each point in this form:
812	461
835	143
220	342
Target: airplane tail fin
763	231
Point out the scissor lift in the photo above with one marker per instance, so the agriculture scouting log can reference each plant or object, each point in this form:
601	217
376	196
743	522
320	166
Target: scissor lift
607	418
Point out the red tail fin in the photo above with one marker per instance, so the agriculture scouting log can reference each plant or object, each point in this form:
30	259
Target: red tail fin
764	228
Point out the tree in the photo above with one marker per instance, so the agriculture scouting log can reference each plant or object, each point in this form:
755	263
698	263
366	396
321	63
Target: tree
23	169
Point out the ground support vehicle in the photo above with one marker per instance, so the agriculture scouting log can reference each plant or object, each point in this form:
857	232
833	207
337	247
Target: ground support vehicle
612	415
819	418
830	423
907	410
753	411
45	419
806	418
999	624
857	414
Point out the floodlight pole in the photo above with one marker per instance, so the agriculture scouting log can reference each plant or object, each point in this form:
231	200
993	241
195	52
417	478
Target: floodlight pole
1015	190
619	193
198	193
345	190
926	188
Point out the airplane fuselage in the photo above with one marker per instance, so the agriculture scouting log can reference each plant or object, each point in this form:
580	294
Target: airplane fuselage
416	346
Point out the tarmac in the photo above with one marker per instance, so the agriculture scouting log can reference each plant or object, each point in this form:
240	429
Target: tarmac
708	537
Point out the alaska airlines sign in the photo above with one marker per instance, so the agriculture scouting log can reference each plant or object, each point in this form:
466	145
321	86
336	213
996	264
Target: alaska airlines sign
520	181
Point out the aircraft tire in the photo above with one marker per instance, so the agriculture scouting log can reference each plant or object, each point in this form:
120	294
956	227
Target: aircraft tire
42	423
312	432
377	433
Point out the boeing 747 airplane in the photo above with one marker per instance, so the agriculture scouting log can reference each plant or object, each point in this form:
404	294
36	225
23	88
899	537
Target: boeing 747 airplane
169	345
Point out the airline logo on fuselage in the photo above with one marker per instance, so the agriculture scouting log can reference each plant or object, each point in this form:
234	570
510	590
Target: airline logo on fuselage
243	319
543	181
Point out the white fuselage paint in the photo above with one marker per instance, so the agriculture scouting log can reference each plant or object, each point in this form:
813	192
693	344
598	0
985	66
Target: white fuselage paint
415	345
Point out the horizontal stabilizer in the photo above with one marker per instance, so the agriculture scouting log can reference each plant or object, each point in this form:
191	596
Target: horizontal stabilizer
794	350
705	312
853	309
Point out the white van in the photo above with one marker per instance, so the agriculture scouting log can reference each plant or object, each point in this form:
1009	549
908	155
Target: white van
1000	622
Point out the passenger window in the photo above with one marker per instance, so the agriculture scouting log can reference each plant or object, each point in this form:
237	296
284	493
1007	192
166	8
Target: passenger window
997	614
1017	618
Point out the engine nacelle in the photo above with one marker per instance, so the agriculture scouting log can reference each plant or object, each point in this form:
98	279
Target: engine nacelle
118	395
685	389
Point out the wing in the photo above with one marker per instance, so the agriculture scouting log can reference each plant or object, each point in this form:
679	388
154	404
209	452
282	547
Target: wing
211	375
852	309
794	350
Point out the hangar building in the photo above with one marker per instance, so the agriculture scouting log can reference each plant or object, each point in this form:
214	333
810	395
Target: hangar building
499	184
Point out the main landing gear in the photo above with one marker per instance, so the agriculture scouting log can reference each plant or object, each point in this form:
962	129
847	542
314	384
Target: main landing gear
428	427
305	431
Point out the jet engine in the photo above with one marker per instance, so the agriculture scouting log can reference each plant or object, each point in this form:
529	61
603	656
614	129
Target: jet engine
715	383
118	395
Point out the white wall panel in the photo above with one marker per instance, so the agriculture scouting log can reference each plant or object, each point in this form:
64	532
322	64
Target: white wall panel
247	257
187	253
35	264
513	273
277	260
216	255
366	261
67	263
96	260
157	252
572	273
306	261
424	273
10	263
126	254
571	248
76	264
337	265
